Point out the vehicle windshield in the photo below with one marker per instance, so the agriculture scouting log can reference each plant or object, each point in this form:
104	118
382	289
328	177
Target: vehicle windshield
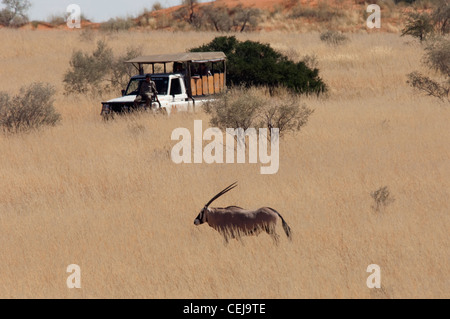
162	84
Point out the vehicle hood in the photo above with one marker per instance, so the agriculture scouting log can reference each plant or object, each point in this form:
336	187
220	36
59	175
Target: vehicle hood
131	98
122	99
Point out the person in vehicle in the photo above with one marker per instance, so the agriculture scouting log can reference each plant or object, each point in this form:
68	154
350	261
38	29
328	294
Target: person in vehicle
204	70
178	68
146	92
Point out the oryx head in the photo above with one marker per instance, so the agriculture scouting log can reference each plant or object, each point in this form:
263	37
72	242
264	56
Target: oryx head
202	216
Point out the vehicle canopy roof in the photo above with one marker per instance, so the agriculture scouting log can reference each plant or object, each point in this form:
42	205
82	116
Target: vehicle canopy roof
194	57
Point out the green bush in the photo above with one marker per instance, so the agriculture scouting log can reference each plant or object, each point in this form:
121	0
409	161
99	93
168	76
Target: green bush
30	109
99	72
88	70
252	63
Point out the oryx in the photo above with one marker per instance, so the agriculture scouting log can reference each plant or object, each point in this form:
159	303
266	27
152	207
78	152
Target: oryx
234	221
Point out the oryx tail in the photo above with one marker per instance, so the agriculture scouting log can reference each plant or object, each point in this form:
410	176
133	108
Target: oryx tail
286	227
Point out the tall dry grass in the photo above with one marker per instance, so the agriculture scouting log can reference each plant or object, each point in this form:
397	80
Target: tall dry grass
106	196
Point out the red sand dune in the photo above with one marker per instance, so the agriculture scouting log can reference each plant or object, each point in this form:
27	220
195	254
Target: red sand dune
284	5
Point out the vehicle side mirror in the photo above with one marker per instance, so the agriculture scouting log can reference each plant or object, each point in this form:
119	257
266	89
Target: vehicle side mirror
123	92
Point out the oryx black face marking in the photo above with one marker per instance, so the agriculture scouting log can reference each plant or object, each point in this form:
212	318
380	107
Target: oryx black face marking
199	219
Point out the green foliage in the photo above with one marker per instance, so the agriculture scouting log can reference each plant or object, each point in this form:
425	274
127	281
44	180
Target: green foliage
253	63
30	109
88	70
120	71
98	72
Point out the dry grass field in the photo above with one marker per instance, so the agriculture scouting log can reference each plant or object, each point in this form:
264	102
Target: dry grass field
106	195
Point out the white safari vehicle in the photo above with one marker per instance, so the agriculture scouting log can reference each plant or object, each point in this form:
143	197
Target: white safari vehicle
194	78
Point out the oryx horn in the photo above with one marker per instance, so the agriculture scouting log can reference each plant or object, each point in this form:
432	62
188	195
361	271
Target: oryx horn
229	188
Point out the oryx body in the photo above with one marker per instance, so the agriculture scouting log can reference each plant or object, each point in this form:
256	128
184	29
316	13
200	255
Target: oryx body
234	221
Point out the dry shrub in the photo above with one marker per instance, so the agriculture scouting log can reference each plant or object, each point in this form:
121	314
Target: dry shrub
243	107
427	85
322	13
237	108
311	61
334	38
31	109
437	57
117	24
382	198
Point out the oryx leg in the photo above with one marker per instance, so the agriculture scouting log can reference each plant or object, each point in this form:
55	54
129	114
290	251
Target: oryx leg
271	230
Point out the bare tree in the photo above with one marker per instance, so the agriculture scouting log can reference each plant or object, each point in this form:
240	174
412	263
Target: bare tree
418	25
190	6
218	16
421	25
187	12
245	16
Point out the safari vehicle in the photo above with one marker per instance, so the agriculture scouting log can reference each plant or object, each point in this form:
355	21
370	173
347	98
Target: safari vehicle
195	77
